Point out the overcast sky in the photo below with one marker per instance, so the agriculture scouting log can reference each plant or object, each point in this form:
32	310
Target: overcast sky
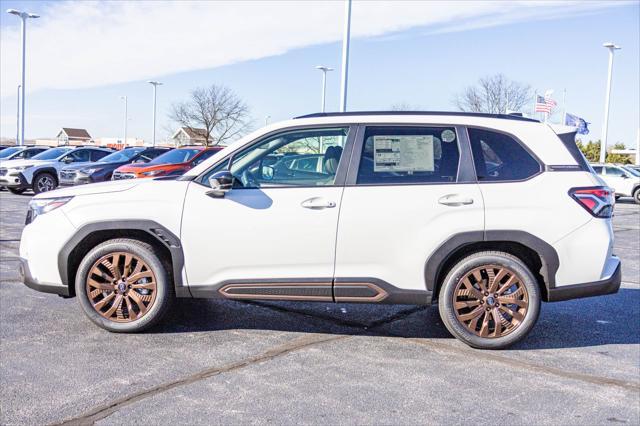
82	56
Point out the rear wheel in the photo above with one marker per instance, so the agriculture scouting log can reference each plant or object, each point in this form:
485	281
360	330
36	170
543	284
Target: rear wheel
44	182
123	286
17	191
489	300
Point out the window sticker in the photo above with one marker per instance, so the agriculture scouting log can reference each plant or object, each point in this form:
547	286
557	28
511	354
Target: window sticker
448	135
403	153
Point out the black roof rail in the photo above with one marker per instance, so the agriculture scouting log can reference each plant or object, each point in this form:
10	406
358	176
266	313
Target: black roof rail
453	113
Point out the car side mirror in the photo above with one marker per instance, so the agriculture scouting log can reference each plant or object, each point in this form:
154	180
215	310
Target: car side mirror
220	183
625	176
67	160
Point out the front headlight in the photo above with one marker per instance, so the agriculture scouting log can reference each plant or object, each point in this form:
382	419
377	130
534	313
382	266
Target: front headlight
153	173
15	170
44	205
90	170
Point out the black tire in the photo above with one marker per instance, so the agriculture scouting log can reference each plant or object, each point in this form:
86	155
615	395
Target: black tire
636	196
165	293
17	191
447	294
44	182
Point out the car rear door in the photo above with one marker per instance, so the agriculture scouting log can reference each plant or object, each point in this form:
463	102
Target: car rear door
409	189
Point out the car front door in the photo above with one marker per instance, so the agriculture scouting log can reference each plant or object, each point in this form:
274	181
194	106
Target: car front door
408	190
618	180
273	235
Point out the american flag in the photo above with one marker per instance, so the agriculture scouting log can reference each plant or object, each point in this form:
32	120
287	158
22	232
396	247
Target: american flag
545	104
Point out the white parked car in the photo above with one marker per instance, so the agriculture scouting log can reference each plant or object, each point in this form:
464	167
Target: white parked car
40	172
624	181
489	215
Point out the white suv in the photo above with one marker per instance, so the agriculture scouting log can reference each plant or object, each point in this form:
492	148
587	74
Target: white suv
488	215
625	182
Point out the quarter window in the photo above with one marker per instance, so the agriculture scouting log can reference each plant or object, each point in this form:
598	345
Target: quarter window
413	155
499	157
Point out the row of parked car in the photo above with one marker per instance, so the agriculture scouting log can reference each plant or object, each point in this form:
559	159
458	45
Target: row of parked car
43	168
623	179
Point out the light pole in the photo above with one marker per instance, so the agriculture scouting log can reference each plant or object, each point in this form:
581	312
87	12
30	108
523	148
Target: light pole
125	119
18	117
345	55
266	119
605	126
324	84
155	85
24	16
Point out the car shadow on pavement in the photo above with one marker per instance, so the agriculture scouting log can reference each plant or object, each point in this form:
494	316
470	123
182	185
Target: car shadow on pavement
596	321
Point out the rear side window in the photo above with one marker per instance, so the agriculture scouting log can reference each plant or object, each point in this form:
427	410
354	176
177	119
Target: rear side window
406	155
499	157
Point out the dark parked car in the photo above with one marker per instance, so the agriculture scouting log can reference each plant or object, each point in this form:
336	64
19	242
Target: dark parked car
102	170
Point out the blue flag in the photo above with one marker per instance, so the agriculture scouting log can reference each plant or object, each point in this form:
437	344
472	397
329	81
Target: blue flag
577	122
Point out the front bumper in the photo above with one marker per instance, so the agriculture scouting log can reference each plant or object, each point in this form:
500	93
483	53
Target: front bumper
32	283
14	181
608	285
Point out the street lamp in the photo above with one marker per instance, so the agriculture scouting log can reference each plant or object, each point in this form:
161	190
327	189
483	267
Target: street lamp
23	16
125	119
155	85
18	117
324	83
605	126
345	55
266	119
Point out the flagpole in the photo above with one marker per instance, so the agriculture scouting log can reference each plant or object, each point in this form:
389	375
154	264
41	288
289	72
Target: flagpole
535	98
564	107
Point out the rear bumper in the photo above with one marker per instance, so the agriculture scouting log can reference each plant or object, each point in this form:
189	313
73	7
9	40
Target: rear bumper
608	285
32	283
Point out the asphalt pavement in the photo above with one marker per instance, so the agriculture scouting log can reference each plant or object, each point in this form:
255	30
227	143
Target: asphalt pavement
226	362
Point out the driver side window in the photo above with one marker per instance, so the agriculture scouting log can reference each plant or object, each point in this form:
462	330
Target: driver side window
307	157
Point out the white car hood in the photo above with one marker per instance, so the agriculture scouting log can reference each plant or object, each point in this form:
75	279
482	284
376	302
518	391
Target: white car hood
94	188
17	163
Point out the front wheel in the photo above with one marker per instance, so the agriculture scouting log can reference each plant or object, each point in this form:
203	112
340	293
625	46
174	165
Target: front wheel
636	196
489	300
17	191
123	286
44	182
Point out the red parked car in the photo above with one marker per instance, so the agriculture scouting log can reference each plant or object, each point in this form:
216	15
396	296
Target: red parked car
171	163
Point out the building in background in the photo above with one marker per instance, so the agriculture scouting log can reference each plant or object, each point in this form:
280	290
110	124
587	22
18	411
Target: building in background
189	136
70	136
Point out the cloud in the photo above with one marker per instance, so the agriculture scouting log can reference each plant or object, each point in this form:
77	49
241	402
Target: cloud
87	44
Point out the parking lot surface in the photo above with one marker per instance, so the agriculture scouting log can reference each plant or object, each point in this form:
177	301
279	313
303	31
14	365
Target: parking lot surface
266	362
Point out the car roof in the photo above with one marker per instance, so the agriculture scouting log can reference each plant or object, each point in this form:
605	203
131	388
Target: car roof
439	113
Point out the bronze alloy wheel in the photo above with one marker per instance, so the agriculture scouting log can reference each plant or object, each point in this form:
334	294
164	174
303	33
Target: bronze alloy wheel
121	287
491	301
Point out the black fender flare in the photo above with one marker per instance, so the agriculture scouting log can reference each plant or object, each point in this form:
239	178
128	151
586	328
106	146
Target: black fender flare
153	229
548	255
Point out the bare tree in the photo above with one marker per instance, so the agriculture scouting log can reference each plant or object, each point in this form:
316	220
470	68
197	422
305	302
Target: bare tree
495	95
217	110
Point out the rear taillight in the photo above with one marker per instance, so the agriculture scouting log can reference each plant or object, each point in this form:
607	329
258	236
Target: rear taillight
597	200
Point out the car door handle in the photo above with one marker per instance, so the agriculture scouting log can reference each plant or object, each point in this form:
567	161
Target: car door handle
455	200
317	203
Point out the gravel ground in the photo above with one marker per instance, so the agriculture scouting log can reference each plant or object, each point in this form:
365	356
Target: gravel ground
290	363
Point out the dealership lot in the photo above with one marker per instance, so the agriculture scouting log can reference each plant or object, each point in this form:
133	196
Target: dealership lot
235	362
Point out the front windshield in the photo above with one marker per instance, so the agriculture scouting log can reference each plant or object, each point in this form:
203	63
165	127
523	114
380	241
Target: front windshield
632	171
175	156
51	154
6	153
121	156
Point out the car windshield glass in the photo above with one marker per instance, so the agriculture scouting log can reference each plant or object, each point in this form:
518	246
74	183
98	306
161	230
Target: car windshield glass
5	153
51	154
632	171
175	156
119	156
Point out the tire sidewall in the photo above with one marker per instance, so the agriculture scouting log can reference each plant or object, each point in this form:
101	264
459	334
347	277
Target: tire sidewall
447	311
636	196
163	290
